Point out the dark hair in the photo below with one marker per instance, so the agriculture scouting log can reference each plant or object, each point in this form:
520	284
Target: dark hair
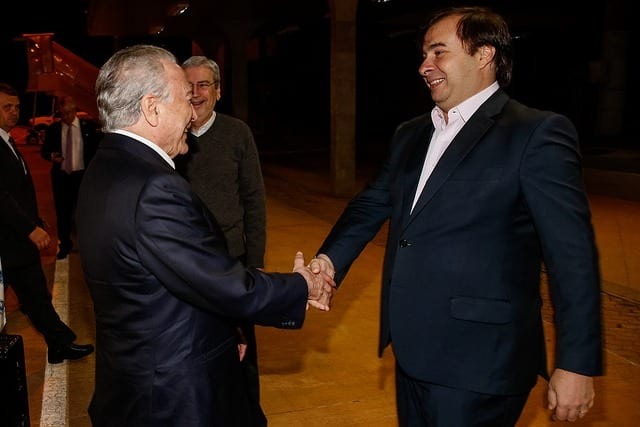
8	89
480	26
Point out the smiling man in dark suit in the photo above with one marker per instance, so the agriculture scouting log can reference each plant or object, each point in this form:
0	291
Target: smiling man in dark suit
22	236
478	194
167	294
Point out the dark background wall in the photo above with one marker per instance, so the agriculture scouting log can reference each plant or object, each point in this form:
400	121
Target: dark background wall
559	65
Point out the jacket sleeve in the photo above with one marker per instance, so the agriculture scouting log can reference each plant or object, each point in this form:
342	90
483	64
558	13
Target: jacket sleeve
51	143
551	178
184	250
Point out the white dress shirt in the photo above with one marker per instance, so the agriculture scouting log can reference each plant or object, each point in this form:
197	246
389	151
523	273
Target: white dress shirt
446	131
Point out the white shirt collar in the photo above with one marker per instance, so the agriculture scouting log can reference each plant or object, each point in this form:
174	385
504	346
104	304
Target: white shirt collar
466	108
5	135
205	127
74	123
148	143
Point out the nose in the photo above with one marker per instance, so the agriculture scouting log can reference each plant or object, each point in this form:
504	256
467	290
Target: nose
424	68
194	115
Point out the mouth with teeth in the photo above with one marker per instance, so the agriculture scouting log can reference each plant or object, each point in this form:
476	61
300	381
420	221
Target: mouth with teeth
434	83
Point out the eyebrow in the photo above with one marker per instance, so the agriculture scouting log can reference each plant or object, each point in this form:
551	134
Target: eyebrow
435	45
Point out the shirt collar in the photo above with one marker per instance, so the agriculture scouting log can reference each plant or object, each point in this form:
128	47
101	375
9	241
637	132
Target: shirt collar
74	123
5	135
466	108
205	127
148	143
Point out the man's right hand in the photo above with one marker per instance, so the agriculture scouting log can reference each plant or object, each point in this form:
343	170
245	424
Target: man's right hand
40	238
322	263
320	284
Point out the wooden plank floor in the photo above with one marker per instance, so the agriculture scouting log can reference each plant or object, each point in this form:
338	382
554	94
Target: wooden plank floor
328	373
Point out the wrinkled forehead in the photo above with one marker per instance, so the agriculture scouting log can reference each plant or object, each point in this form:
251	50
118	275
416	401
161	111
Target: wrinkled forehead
8	100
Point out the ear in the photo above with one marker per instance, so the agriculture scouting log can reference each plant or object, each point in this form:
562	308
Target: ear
149	108
486	54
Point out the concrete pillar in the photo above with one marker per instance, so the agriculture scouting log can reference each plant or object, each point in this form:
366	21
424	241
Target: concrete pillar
343	96
238	40
615	48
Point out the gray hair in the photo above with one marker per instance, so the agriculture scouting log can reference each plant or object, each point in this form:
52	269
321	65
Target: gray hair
197	61
129	75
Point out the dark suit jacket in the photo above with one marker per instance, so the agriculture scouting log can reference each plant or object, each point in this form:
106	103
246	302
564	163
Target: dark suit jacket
53	141
461	277
166	294
18	211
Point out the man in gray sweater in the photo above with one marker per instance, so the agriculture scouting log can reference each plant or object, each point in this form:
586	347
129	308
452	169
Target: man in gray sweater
223	168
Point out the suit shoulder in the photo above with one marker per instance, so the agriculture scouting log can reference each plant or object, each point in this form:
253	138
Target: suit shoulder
415	123
414	126
523	112
89	125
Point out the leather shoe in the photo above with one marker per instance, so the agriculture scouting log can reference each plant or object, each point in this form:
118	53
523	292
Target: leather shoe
63	250
70	352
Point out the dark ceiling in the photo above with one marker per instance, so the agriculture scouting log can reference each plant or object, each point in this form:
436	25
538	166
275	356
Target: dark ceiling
559	47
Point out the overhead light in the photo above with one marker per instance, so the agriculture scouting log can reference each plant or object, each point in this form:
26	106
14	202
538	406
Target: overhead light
178	8
156	30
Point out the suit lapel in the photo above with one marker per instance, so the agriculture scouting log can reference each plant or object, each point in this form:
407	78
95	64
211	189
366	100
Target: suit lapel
413	167
17	161
470	134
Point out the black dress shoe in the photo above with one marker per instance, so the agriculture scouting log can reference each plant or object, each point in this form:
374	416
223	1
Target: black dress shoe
70	352
64	250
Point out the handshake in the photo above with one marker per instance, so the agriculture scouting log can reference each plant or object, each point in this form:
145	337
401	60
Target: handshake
319	276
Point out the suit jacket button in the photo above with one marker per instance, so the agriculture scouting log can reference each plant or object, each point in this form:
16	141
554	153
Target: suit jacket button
404	243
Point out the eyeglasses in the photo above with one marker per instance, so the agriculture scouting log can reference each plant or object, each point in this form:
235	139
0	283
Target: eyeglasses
202	85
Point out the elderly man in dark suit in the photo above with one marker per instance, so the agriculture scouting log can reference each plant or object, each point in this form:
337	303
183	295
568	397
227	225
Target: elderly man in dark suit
22	236
167	294
478	194
69	145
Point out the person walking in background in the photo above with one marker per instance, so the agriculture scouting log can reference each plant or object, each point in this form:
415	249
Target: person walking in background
22	237
167	294
478	193
69	144
223	167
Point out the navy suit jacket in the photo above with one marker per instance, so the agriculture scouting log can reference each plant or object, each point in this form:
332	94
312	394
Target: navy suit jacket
166	294
18	211
461	278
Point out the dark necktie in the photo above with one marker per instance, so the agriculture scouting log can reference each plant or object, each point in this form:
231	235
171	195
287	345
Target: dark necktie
17	153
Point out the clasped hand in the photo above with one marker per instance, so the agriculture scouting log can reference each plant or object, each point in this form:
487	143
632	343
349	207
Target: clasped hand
320	284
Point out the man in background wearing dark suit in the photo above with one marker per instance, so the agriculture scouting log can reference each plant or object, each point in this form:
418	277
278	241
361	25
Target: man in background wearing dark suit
69	144
478	194
22	236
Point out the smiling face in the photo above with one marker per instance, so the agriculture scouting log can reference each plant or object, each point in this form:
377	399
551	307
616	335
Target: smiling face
451	74
176	114
206	92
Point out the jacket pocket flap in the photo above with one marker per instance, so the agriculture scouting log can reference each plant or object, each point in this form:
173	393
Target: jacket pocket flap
481	309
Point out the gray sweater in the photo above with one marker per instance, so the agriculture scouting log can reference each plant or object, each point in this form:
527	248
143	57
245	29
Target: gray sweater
223	168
